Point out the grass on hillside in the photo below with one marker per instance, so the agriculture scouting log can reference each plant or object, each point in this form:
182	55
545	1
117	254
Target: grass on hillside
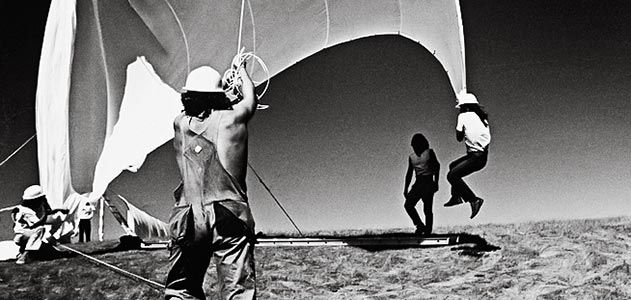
546	260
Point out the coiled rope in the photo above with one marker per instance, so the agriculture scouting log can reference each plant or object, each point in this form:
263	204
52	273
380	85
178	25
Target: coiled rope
231	80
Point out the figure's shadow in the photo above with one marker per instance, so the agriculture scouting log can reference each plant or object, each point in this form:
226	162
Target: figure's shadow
474	245
467	244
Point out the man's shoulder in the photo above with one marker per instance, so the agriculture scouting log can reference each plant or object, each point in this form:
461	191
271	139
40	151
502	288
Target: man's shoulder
178	119
233	117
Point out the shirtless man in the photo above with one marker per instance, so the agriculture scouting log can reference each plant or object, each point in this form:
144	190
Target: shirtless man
211	217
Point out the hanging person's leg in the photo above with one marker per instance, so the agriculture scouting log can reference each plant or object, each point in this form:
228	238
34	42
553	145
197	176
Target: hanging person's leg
455	198
474	161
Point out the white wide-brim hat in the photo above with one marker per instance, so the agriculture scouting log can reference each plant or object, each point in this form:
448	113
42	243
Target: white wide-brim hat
203	79
32	192
466	98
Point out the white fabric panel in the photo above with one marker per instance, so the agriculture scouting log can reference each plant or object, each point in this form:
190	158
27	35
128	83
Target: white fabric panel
289	32
8	250
146	226
436	25
135	221
145	122
351	20
51	102
68	225
112	91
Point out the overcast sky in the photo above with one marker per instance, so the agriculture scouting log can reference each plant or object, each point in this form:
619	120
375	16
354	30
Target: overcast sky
555	77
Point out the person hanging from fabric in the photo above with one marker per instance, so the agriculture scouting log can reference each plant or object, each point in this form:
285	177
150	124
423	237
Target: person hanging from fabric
212	218
30	218
473	128
85	214
426	168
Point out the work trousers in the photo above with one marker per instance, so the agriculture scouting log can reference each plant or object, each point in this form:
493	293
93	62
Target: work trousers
461	167
30	239
423	188
85	229
229	244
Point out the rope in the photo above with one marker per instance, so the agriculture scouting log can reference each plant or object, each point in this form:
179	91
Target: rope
240	26
230	79
151	283
188	58
277	202
17	150
8	208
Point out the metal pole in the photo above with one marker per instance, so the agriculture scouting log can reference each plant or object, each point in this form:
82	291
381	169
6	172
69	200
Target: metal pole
101	223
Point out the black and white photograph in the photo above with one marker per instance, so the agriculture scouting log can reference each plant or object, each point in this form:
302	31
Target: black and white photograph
315	149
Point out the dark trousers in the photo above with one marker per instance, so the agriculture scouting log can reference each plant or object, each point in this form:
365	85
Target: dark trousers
228	243
85	228
461	167
423	188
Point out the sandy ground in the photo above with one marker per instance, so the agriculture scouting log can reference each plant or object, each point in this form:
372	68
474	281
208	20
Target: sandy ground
543	260
583	259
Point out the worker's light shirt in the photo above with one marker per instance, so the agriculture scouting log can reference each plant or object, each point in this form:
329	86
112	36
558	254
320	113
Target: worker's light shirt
86	211
23	218
476	136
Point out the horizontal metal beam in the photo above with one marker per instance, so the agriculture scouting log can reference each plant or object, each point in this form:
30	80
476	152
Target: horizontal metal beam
359	241
407	241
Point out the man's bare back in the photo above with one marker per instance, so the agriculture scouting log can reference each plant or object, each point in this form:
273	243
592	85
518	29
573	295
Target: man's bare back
211	216
231	140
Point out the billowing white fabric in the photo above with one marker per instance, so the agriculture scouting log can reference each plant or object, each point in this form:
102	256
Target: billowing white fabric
88	134
141	126
65	226
8	250
135	221
51	105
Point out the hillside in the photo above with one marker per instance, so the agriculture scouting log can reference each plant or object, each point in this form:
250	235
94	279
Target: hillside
547	260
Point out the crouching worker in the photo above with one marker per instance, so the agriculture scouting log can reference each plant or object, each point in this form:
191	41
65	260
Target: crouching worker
424	164
211	218
30	218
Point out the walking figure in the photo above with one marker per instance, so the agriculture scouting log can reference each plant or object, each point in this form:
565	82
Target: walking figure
424	164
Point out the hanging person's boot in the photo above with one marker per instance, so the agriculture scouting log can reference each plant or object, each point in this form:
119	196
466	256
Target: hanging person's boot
476	204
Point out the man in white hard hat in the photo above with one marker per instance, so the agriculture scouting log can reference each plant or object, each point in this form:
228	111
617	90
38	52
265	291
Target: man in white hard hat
473	128
211	217
29	216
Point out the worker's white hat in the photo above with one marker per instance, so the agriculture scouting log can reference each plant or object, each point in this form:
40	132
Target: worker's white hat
466	98
32	192
203	79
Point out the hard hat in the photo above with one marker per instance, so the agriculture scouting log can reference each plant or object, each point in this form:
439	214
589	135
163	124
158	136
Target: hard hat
32	192
203	79
466	98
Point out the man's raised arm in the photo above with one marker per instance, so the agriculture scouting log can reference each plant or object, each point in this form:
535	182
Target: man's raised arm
247	106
